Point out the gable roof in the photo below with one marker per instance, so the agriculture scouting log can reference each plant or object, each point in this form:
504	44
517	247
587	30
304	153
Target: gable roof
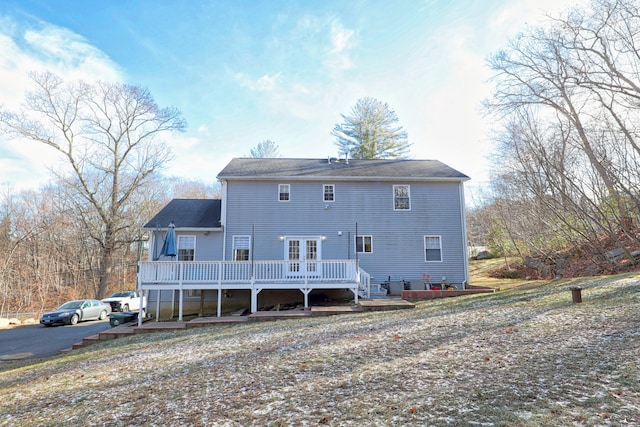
188	213
339	169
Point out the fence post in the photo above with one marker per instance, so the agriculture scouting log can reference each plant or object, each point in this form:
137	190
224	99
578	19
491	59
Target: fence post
576	294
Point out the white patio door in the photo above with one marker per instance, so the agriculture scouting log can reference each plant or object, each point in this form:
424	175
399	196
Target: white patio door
301	252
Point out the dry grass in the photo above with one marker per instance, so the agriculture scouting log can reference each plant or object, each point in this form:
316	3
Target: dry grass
525	356
479	271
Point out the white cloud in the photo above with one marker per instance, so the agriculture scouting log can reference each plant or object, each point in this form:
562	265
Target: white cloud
266	83
305	25
14	65
312	96
204	130
342	43
195	157
40	47
340	37
67	54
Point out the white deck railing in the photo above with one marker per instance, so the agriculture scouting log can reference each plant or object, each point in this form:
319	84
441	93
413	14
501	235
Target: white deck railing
247	272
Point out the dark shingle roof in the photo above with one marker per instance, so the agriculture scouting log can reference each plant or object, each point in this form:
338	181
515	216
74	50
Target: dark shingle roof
394	169
188	213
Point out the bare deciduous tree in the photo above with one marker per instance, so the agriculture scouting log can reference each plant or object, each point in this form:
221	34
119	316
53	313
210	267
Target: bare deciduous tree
186	189
109	136
566	97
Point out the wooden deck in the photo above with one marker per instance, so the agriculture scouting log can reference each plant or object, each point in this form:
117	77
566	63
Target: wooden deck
383	304
254	276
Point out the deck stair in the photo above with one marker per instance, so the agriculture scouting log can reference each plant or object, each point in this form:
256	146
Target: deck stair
376	290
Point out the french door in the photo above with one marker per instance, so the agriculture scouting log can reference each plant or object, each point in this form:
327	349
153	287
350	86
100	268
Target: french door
302	254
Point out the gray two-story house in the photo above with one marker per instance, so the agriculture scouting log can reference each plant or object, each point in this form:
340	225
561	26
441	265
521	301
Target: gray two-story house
289	230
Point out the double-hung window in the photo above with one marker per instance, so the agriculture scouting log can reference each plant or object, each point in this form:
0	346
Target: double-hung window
364	244
284	192
241	248
432	248
187	252
328	192
186	248
401	198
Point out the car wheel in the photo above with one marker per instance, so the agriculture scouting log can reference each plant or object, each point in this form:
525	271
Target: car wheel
74	320
125	307
103	315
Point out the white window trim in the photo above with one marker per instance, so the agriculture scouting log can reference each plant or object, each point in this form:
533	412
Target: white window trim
408	196
355	243
333	192
184	237
233	244
424	242
288	192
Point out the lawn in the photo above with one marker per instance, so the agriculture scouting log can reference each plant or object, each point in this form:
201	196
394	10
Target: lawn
524	356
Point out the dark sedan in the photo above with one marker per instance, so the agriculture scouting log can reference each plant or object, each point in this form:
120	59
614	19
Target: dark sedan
73	312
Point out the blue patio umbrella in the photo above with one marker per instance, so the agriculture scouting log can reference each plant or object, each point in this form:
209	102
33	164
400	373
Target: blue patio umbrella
169	245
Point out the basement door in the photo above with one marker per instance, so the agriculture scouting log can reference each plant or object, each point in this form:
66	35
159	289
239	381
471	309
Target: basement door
302	252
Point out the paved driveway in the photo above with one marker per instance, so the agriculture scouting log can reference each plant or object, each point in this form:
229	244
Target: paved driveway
35	341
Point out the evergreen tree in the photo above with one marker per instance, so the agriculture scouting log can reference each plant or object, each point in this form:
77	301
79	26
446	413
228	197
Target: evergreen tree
371	132
265	149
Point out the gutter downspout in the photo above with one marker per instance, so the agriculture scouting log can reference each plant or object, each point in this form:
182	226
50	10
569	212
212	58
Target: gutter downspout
465	247
223	224
138	280
223	220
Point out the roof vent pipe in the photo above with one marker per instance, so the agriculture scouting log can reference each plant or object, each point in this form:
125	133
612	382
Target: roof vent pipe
328	159
346	158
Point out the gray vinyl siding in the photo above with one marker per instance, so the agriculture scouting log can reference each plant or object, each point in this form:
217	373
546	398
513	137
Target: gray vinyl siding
208	247
398	236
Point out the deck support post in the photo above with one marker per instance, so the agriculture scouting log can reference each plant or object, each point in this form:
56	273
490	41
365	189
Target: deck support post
173	302
158	292
219	301
306	292
254	299
355	293
180	303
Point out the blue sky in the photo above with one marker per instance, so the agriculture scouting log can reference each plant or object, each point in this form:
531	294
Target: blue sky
245	71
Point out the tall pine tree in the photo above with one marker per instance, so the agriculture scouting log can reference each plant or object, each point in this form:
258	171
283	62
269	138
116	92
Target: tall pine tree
371	132
266	149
